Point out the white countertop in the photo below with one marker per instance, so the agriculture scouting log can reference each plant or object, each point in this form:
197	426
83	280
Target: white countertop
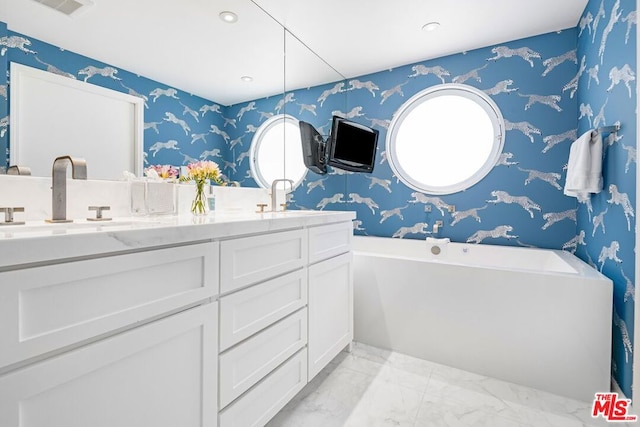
36	241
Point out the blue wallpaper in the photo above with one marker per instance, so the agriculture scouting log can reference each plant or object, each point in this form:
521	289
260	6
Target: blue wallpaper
607	95
519	203
4	100
179	127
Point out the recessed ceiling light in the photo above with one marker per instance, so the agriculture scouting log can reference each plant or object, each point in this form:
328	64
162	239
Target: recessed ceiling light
228	17
246	79
431	26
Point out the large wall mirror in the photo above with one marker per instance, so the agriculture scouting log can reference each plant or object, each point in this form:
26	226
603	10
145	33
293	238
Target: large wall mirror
276	150
258	43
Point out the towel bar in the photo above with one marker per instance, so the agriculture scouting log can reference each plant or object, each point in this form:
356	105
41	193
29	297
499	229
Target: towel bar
608	129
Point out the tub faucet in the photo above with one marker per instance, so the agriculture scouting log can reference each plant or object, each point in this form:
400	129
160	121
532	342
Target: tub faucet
437	226
59	184
273	191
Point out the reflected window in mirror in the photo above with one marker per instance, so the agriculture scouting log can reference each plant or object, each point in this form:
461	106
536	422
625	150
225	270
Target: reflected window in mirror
276	152
445	139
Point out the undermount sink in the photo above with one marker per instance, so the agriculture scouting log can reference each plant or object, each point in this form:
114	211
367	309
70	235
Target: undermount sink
299	212
53	228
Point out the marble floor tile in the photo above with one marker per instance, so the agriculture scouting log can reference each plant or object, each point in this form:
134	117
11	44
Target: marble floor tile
372	387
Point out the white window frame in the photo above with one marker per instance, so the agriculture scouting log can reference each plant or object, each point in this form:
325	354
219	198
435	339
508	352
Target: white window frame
255	146
466	91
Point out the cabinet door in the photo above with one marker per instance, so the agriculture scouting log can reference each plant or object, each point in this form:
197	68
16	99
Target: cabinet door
330	310
47	308
162	374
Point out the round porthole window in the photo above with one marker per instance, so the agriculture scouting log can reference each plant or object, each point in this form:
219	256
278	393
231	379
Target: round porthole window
445	139
276	152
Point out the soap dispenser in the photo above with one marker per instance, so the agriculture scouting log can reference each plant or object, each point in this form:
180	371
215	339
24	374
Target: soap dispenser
211	199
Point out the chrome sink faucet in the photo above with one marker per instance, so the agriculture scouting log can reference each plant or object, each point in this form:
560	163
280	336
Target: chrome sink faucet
59	184
273	191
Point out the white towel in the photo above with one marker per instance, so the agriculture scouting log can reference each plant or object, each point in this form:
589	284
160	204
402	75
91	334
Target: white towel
584	172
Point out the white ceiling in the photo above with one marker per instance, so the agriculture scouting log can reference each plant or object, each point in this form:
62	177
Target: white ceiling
183	43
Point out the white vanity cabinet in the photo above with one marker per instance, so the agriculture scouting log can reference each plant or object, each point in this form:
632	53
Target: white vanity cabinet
125	339
330	294
178	323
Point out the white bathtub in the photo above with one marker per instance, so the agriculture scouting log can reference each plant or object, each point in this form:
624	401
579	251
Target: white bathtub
536	317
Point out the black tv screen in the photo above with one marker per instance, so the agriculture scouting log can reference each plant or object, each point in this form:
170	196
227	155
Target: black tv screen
352	146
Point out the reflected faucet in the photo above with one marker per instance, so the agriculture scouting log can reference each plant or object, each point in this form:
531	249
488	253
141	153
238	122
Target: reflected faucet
19	170
59	184
273	191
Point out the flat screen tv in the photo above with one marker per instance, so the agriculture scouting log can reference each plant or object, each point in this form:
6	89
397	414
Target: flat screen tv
313	148
352	146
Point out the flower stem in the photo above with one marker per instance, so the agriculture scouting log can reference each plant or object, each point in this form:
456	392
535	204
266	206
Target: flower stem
198	206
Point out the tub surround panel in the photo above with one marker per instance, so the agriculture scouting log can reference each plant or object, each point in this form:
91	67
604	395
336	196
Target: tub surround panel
526	78
606	223
542	329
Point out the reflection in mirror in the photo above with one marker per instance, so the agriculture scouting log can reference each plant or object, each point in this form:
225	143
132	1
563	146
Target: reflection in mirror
298	101
445	139
315	105
53	115
276	152
179	126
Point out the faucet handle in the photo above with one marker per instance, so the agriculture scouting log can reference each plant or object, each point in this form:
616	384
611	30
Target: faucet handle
99	210
8	215
261	206
284	206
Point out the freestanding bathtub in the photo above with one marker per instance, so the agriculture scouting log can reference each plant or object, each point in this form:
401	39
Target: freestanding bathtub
536	317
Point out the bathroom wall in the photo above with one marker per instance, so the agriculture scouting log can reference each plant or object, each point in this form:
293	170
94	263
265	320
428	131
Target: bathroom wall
607	95
534	91
4	105
179	127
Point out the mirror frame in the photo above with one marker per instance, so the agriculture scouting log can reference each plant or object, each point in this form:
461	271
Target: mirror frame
19	72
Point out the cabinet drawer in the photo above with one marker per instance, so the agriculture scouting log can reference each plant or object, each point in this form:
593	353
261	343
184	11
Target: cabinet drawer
249	362
51	307
250	260
250	310
162	374
328	241
263	401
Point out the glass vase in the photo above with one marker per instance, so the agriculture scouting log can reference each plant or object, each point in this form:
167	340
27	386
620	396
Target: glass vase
200	206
